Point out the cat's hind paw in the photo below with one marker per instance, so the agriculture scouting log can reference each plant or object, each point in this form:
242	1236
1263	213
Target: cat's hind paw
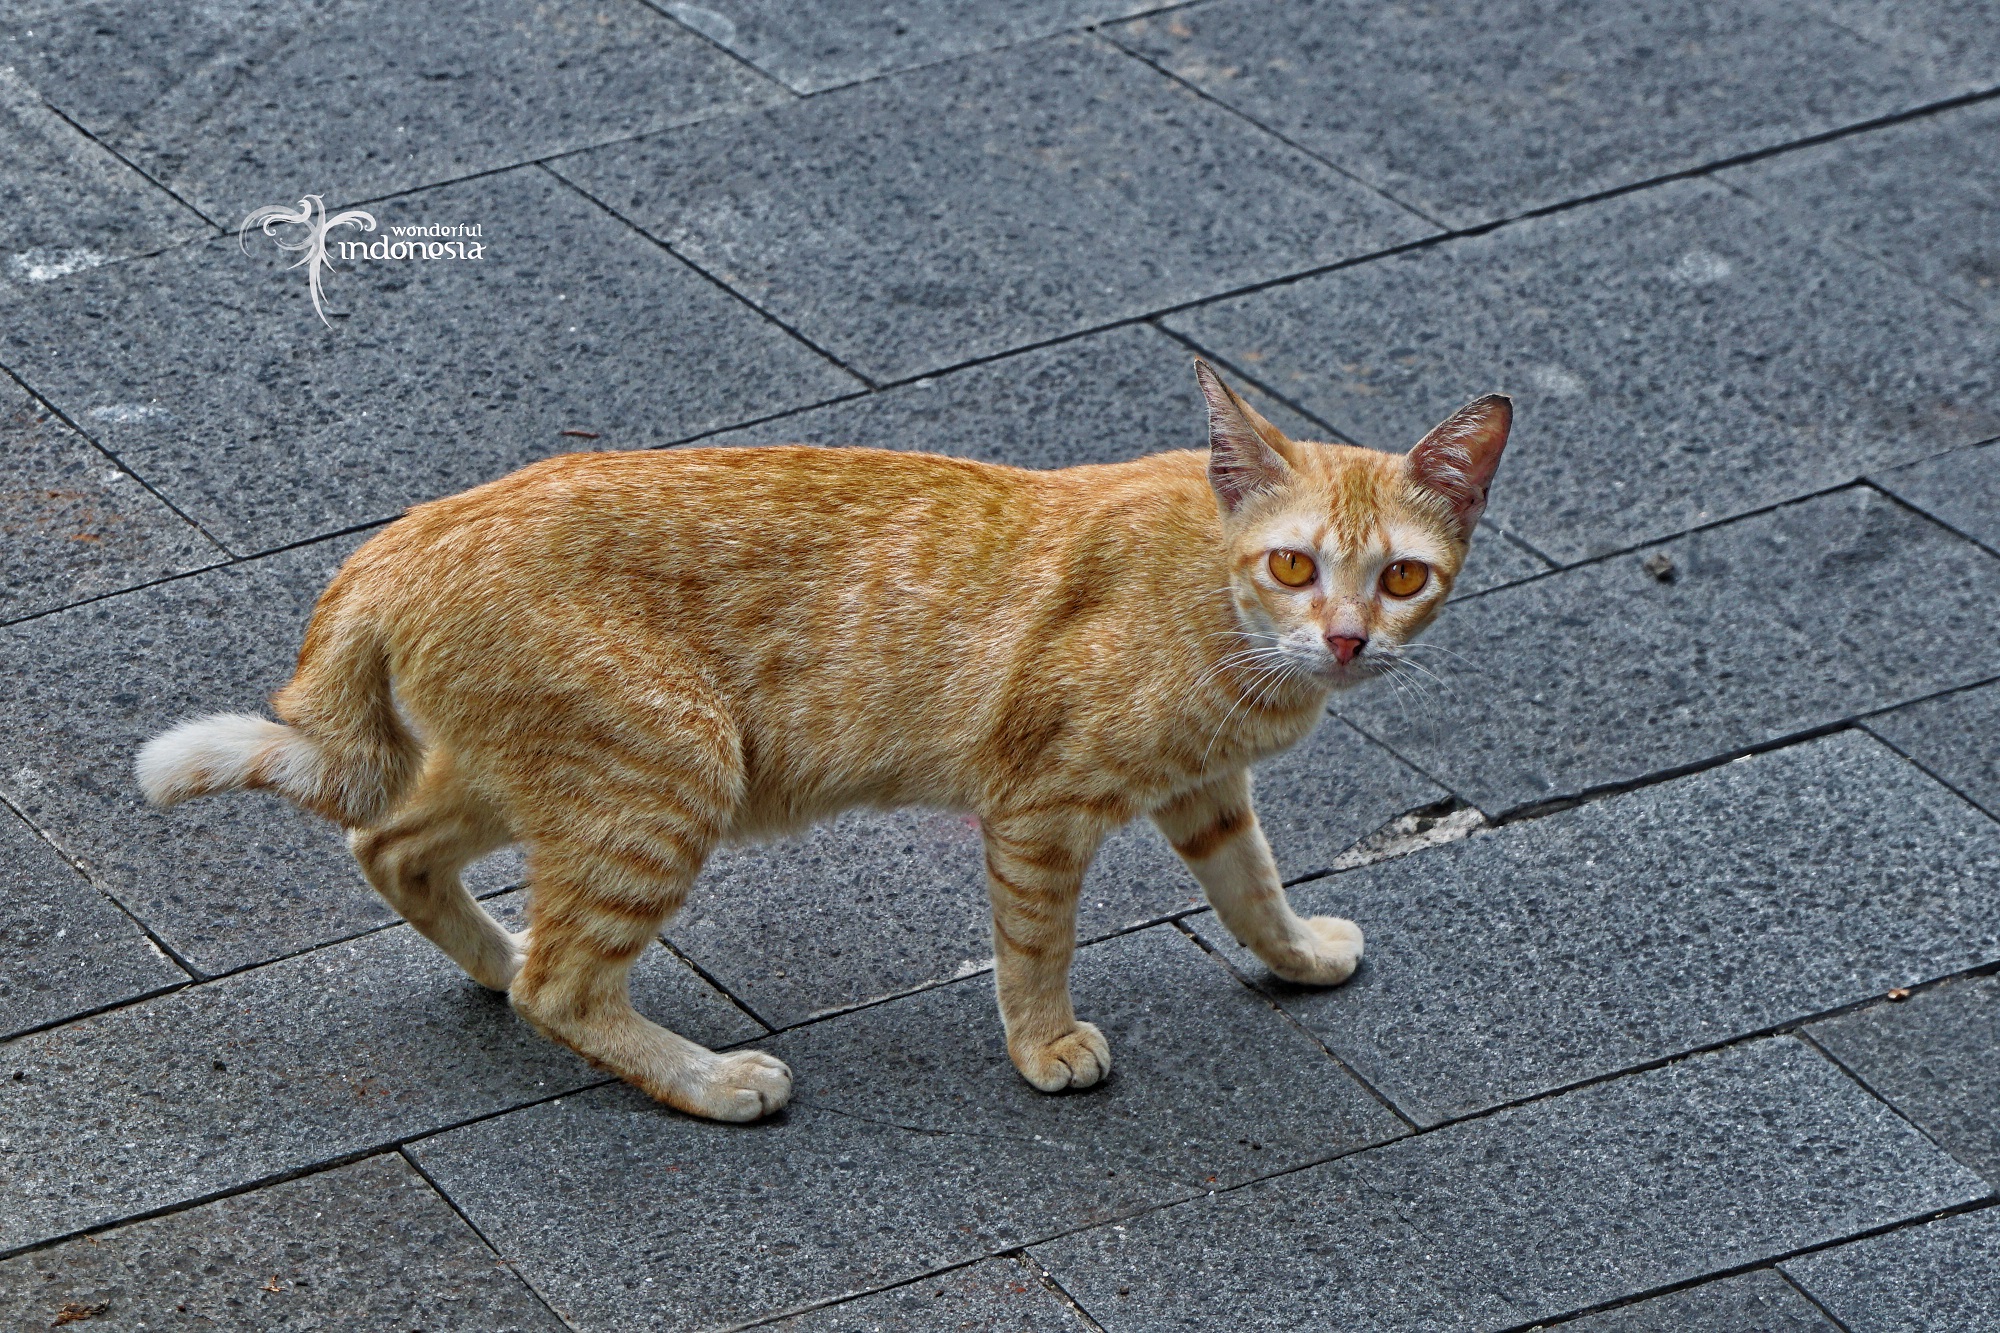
1325	953
1077	1059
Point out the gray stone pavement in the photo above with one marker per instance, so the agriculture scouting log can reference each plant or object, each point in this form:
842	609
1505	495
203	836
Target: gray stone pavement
1682	885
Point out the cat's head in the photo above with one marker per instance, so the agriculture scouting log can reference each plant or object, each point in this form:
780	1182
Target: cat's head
1338	555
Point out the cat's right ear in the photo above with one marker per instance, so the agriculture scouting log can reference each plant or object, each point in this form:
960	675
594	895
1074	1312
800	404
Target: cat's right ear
1241	456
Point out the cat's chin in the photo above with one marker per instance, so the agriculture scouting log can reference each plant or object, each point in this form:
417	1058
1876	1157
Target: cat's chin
1339	676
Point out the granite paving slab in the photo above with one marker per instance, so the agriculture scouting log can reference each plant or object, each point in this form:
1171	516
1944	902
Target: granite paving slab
1640	926
66	202
1960	489
998	1296
1750	632
228	394
64	947
1659	1177
872	904
812	48
74	524
1920	196
227	881
1473	110
243	103
1103	398
335	1052
364	1246
1952	736
1932	1058
1942	1277
956	212
910	1145
1755	1302
1954	39
1677	356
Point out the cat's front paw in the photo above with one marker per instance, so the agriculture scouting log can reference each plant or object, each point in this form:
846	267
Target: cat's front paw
746	1085
1325	953
1077	1059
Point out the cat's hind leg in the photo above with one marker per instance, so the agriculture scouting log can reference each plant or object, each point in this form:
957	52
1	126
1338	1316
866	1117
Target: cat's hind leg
413	860
622	818
1215	831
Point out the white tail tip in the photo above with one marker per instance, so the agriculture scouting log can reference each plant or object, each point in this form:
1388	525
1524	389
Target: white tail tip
221	752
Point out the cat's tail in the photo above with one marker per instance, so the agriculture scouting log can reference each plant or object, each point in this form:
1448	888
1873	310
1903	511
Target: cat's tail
347	754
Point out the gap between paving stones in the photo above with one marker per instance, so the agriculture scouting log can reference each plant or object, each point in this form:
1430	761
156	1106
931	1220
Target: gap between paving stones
472	1226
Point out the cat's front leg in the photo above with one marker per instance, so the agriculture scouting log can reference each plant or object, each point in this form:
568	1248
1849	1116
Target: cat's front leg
1034	872
1215	831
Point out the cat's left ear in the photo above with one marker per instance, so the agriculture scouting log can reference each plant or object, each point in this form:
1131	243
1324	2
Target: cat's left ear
1458	459
1245	452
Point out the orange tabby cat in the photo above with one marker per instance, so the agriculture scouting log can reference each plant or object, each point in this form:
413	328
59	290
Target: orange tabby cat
624	660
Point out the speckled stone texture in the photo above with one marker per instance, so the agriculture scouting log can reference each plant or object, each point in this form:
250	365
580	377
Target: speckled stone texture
1960	489
1662	374
1754	1302
1473	110
244	103
227	393
1649	924
76	525
1952	736
67	948
973	208
1000	1296
871	904
1943	1277
362	1246
910	1144
1763	629
1716	1161
1920	196
338	1051
1932	1057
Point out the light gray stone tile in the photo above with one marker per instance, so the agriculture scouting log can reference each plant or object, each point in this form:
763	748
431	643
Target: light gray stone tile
1942	1277
998	1296
1960	489
1754	1302
1952	736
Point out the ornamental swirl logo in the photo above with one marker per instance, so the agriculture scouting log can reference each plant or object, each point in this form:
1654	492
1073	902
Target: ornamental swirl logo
275	220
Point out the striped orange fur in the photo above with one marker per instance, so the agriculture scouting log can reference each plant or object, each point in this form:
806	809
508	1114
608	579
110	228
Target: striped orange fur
625	660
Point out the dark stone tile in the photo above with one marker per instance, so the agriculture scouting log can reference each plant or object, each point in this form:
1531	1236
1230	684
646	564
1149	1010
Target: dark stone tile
965	210
911	1144
1772	625
1950	39
1920	196
1102	399
1473	110
1942	1277
75	524
1640	926
1656	1178
67	203
1669	352
1952	737
251	102
334	1052
998	1296
1932	1057
817	47
1756	1302
872	904
1961	488
1495	562
227	881
64	948
228	394
364	1246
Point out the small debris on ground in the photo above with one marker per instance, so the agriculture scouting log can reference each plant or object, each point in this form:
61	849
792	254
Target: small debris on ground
1900	993
581	434
76	1311
1411	833
1660	567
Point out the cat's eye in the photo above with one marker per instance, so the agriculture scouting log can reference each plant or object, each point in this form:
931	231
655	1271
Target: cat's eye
1294	569
1405	578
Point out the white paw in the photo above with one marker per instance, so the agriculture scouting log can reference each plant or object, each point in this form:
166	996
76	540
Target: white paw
1326	954
747	1085
1077	1059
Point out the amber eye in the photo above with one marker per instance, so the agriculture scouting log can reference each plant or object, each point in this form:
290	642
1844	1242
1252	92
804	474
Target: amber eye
1405	578
1294	569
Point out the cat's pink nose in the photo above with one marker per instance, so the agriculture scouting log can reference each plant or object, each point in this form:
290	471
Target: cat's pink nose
1345	650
